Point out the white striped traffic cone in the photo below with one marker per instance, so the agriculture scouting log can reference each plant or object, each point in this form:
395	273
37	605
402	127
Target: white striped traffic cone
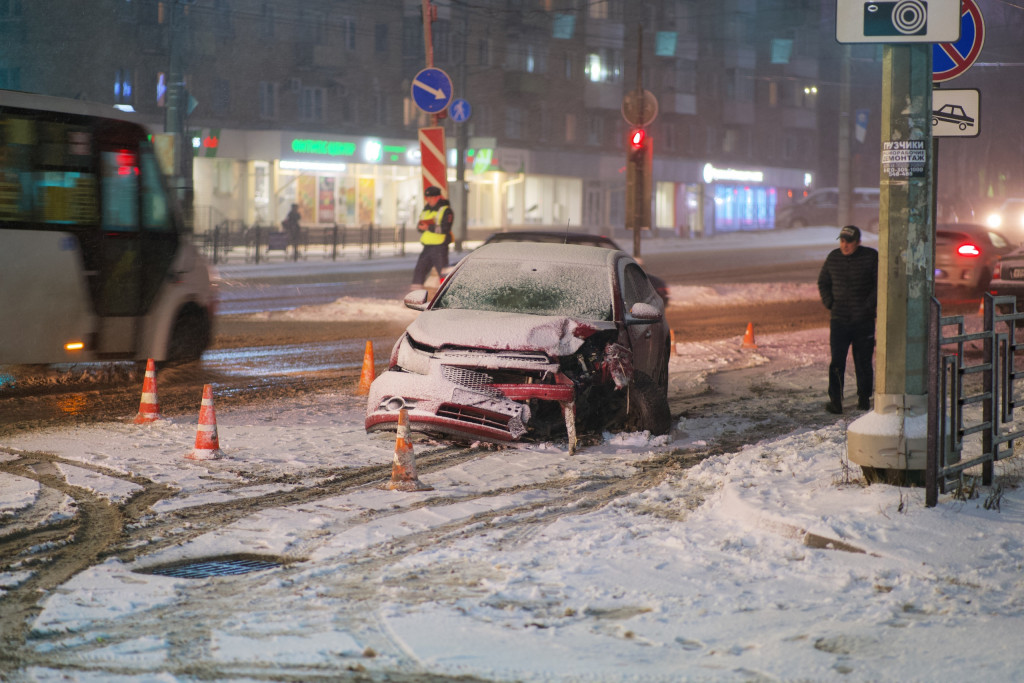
149	406
403	472
207	445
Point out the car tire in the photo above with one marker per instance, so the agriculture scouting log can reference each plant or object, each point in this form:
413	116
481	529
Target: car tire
648	406
190	336
984	279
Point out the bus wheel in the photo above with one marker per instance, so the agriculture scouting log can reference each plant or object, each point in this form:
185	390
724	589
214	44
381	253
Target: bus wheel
190	335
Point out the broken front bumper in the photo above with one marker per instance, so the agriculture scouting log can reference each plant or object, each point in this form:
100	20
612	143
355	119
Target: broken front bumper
465	401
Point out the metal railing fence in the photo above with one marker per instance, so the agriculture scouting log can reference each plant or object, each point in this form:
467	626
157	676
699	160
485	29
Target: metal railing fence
953	386
232	239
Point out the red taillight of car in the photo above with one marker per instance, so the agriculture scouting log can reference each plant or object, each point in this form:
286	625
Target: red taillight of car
997	271
968	250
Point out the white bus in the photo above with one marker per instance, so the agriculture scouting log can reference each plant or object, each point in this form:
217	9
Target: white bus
94	261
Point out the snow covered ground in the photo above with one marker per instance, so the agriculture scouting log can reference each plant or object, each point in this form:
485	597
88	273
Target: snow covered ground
523	564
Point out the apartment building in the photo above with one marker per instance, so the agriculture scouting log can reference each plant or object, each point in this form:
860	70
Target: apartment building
309	101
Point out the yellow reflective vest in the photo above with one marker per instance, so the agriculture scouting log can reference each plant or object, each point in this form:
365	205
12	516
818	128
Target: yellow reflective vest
434	218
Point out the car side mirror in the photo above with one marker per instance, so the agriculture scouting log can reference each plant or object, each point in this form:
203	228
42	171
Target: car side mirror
643	314
417	299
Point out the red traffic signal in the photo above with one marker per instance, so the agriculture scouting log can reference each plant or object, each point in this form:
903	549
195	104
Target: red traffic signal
636	138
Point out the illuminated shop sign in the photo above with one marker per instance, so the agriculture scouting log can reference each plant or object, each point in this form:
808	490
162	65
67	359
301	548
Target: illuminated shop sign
205	143
712	174
372	150
330	148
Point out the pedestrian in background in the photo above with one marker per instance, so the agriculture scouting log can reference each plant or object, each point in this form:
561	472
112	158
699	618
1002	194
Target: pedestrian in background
435	226
848	285
292	228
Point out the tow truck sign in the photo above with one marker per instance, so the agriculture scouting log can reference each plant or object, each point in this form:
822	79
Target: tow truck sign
956	113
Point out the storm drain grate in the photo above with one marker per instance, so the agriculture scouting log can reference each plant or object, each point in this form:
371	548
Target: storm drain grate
215	566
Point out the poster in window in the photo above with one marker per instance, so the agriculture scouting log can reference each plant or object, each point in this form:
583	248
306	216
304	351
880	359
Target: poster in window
306	197
326	212
367	196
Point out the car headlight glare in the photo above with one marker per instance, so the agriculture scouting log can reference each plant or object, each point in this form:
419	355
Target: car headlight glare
994	220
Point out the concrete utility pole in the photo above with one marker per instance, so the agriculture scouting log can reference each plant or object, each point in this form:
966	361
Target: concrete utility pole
894	435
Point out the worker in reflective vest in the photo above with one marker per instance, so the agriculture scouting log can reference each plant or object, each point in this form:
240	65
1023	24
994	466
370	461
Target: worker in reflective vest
435	228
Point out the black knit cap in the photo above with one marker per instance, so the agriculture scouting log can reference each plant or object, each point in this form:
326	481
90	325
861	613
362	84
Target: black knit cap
432	192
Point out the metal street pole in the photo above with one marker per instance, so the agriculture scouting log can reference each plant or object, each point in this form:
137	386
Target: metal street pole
461	229
177	112
639	184
845	181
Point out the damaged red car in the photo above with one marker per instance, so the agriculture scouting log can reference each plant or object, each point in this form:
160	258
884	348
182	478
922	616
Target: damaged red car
531	341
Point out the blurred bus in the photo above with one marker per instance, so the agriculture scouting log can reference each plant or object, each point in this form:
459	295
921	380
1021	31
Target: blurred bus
95	264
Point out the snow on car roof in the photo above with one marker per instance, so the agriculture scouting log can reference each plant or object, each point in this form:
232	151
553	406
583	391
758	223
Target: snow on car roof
546	252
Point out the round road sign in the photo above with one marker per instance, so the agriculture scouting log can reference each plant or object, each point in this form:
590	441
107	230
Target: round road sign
432	90
639	111
949	60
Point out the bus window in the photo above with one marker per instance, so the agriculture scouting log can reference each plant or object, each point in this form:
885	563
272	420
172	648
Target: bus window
17	136
155	213
120	190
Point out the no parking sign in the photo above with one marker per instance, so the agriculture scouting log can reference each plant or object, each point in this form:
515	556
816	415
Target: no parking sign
949	60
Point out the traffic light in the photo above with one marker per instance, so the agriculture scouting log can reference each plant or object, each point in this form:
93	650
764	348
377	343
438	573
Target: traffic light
638	180
636	138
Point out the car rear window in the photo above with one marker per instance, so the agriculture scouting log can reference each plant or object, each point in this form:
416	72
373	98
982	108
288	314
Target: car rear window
563	289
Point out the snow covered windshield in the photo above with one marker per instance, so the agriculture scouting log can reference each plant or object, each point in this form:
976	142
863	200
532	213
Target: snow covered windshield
564	289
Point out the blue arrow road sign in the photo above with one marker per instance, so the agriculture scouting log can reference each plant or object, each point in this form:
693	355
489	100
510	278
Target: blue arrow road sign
460	110
432	90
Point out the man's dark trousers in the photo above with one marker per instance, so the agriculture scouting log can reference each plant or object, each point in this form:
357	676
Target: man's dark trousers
433	256
861	336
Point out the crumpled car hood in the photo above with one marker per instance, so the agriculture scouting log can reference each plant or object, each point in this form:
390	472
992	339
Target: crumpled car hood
554	335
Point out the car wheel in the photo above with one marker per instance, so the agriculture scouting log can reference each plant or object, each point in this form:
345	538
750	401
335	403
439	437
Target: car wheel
648	406
984	279
190	335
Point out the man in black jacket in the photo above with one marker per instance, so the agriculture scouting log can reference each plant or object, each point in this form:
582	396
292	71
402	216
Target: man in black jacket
848	285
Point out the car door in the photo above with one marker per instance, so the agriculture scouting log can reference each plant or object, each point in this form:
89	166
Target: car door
646	341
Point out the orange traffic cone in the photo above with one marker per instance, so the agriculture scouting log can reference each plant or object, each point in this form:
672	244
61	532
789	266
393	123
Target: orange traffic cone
748	338
403	472
149	406
672	341
981	307
368	375
207	445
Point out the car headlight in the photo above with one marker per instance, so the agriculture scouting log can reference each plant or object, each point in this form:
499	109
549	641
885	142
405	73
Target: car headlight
994	220
412	359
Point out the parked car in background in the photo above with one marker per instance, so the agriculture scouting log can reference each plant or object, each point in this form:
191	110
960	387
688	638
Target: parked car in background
1008	276
966	255
572	238
821	207
1009	217
530	340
